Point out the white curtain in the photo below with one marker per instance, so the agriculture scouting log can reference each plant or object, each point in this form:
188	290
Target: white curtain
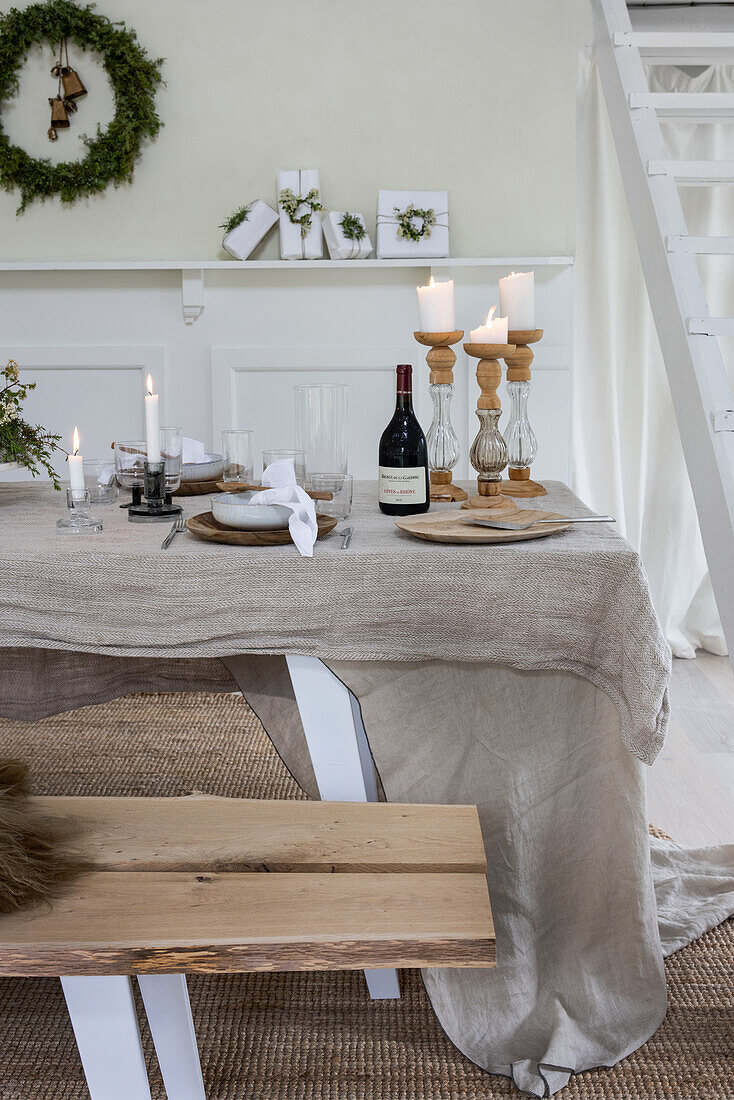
627	455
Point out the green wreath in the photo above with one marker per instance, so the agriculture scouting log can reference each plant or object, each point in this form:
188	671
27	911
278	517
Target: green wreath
134	76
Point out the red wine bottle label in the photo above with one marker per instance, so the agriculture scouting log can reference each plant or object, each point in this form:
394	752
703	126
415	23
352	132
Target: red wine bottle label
402	485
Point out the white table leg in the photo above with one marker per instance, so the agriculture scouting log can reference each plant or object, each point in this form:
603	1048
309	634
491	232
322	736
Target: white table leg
167	1006
105	1025
341	757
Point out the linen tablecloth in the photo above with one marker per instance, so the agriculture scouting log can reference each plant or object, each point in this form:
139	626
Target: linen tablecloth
529	678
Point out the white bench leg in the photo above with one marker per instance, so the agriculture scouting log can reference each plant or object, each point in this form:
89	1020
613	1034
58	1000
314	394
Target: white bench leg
340	756
167	1006
105	1025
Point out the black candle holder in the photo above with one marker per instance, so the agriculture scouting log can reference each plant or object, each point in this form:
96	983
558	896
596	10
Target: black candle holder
158	503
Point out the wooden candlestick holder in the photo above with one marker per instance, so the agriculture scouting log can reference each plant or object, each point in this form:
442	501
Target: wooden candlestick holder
489	450
443	445
521	441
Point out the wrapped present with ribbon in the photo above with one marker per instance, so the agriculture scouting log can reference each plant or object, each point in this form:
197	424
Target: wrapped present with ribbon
299	203
346	236
244	229
412	223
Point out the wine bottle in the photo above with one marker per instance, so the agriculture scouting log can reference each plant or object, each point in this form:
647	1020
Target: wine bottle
403	478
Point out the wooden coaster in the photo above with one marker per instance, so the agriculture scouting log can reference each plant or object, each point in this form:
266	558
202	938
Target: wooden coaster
204	526
450	527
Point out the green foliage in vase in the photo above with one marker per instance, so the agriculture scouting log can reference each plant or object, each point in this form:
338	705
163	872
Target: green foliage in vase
406	225
29	444
352	227
290	203
134	76
236	219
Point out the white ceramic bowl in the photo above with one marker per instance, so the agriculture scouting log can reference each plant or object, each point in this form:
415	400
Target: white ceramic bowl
203	471
235	510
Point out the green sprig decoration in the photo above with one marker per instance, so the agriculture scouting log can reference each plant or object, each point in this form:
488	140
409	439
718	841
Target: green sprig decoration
111	153
30	445
406	226
352	227
290	203
236	219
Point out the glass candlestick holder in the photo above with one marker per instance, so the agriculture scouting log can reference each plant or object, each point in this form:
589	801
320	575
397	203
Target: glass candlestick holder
158	503
489	451
78	521
522	445
443	443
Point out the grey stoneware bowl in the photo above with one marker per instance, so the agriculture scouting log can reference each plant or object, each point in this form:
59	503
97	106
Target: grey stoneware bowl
235	510
203	471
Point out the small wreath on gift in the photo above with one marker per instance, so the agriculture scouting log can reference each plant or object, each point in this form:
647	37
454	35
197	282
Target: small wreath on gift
236	219
290	203
406	222
134	76
352	227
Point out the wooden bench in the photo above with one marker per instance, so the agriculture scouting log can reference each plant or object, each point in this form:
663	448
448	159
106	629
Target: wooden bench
178	887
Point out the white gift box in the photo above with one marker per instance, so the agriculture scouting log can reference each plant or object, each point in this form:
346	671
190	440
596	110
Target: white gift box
292	245
245	237
392	246
341	247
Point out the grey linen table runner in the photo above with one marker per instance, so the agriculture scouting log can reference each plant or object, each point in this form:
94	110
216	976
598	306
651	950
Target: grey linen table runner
515	677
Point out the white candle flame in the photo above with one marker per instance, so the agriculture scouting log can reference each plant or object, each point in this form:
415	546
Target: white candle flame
150	385
75	444
490	315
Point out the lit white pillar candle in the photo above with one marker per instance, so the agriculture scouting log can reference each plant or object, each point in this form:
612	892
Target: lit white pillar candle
152	424
76	470
517	300
493	331
436	306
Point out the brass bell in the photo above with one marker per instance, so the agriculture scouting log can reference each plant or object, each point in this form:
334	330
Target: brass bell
59	118
73	87
52	135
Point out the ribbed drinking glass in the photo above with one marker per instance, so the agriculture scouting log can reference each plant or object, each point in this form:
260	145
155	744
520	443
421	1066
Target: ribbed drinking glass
322	427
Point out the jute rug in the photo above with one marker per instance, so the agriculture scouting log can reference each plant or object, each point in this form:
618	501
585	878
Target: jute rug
308	1036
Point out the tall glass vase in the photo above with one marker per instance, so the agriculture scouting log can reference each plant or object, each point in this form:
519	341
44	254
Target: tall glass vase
443	443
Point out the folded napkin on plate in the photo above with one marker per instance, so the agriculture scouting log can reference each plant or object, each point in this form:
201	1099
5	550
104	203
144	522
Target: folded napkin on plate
280	476
193	451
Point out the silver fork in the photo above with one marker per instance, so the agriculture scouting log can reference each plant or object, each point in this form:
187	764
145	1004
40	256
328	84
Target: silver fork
178	527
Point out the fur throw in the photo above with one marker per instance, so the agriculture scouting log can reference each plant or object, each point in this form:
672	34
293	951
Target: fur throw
34	857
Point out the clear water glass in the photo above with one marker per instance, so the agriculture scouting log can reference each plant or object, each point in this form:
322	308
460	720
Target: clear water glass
129	458
238	454
322	426
99	480
298	458
172	455
341	485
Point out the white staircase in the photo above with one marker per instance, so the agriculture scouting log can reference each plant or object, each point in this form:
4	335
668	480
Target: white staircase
688	334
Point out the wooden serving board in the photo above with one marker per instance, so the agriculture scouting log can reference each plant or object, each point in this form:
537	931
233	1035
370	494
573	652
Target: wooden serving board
449	526
204	526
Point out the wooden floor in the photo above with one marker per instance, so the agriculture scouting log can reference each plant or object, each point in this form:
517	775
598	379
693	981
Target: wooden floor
691	784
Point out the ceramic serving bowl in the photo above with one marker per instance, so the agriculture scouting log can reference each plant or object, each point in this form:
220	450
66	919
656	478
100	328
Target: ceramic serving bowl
203	471
235	510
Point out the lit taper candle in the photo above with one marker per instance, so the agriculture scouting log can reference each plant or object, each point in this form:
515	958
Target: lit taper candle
152	424
76	470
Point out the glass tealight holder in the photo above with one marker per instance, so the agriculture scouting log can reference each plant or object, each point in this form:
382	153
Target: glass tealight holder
99	479
340	486
78	521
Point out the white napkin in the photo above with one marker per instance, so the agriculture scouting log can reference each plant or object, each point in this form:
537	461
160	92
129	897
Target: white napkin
193	451
281	477
106	475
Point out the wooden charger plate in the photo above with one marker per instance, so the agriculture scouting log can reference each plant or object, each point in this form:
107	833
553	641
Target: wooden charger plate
196	488
448	526
204	526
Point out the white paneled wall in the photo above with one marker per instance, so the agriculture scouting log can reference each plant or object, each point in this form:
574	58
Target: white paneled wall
89	338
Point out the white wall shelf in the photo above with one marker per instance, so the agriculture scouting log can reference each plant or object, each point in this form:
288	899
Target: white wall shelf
192	271
278	265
